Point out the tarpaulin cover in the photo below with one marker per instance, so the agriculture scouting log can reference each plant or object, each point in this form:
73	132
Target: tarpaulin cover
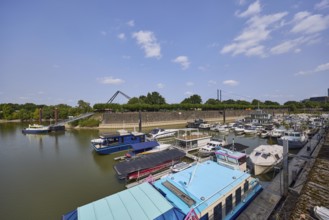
147	161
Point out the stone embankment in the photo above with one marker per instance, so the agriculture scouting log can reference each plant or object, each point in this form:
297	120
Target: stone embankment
154	119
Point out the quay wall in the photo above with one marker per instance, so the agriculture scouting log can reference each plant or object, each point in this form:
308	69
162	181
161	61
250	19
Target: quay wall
131	119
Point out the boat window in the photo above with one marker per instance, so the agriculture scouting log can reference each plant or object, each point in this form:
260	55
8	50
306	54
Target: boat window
277	156
297	135
232	160
237	196
258	153
221	157
228	204
265	156
111	141
242	160
246	186
218	213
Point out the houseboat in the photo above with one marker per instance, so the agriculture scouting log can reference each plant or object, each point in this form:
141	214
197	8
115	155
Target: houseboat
191	139
147	147
205	190
113	143
259	117
148	164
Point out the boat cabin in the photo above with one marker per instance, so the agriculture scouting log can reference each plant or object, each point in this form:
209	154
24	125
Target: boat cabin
232	159
191	139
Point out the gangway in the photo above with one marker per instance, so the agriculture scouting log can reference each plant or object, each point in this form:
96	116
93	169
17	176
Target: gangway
86	115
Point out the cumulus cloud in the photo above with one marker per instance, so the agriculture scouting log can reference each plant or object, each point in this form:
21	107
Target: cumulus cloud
231	82
148	42
253	9
258	30
293	45
322	5
131	23
306	23
320	68
110	80
160	85
183	61
122	36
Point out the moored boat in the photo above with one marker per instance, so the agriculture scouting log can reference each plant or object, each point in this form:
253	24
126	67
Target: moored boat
265	157
36	129
211	147
202	190
112	143
180	166
232	159
148	147
158	133
148	164
296	139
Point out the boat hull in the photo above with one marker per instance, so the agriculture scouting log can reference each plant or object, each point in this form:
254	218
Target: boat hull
293	144
110	149
43	131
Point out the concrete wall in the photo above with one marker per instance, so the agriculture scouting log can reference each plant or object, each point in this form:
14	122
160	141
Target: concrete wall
181	116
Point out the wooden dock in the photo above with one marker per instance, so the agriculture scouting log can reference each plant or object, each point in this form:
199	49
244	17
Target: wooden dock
265	203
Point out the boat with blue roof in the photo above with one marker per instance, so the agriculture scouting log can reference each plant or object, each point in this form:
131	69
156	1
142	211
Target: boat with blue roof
113	143
205	190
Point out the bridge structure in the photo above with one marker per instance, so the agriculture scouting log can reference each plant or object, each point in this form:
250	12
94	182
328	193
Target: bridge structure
76	118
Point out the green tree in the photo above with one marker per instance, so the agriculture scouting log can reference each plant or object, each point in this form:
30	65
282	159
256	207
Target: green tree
84	106
154	98
212	102
194	99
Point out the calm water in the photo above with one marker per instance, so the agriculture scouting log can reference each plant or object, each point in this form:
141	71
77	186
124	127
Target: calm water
45	176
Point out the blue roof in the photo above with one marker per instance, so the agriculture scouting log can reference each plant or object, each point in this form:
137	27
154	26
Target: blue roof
140	202
144	145
210	182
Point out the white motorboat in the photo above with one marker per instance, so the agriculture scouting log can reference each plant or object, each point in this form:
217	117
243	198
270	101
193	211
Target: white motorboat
221	128
264	133
265	157
180	166
161	133
205	126
36	129
211	147
296	139
239	129
250	130
322	213
277	133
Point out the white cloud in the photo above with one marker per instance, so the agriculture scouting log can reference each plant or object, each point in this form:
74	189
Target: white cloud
131	23
320	68
322	5
148	42
253	9
110	80
183	61
231	82
258	30
121	36
293	45
189	93
212	82
306	23
190	83
160	85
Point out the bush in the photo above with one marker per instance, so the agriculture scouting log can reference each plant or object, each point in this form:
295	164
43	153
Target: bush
89	122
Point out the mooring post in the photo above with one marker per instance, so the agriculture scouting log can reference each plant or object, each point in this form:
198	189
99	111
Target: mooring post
285	168
140	121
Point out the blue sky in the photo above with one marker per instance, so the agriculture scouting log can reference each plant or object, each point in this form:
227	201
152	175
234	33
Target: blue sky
58	51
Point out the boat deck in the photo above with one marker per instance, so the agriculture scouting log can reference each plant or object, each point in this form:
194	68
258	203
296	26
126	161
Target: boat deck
265	203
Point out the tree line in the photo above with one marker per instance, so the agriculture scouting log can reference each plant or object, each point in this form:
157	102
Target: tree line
151	102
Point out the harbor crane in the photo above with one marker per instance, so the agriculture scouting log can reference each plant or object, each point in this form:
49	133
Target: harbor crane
115	95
